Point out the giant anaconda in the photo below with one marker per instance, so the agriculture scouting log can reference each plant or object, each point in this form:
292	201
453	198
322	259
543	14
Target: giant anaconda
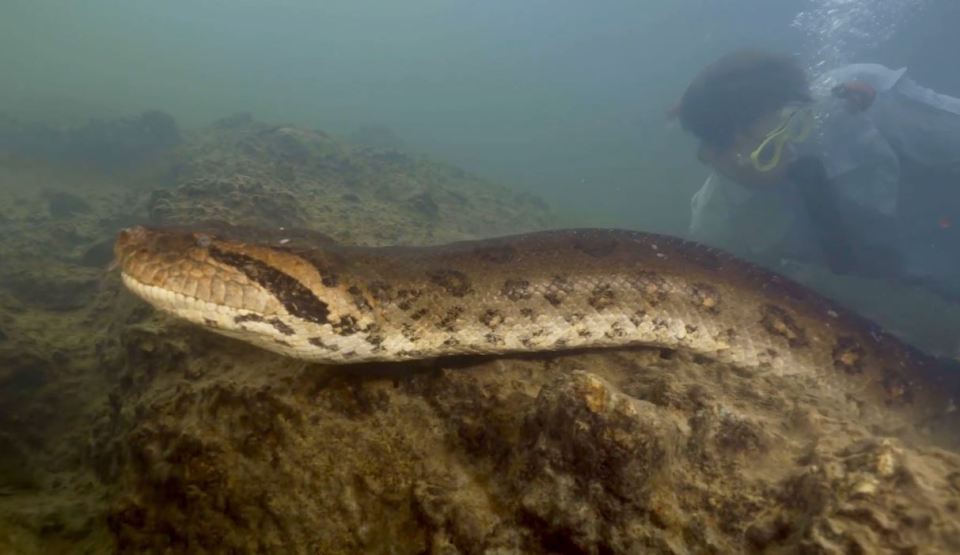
310	298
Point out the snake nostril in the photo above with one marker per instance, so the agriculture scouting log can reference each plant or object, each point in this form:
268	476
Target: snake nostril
128	240
130	233
126	235
202	239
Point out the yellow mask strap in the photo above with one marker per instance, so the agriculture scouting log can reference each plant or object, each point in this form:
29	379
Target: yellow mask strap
795	127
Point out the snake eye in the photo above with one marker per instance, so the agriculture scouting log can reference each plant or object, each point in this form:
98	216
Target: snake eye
203	240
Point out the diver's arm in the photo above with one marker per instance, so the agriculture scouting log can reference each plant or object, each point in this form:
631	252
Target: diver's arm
710	216
823	208
853	240
923	124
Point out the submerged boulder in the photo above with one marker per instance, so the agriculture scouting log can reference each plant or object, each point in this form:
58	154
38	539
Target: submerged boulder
105	144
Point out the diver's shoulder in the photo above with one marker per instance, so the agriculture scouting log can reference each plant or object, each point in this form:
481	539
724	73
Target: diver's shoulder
878	76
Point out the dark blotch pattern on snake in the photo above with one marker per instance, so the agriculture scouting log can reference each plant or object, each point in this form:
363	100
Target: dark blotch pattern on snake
544	291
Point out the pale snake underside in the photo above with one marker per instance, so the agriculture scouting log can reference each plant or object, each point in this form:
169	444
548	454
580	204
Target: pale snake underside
302	295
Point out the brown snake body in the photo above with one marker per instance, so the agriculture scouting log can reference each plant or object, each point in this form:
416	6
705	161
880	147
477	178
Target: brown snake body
304	296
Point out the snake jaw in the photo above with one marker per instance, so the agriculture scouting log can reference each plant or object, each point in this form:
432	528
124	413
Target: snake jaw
268	297
168	268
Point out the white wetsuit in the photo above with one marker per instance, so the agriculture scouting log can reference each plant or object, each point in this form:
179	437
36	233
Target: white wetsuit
896	165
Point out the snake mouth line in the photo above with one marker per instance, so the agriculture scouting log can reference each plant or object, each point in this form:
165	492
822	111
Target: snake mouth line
221	318
270	333
170	300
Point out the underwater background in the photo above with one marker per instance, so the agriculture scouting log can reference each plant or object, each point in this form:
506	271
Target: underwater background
561	98
416	122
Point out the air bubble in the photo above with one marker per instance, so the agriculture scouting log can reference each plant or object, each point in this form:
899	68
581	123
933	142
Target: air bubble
839	31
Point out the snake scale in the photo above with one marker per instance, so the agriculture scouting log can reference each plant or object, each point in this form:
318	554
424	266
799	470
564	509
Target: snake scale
300	294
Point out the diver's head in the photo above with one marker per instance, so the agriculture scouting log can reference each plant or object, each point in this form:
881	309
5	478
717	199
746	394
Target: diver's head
748	109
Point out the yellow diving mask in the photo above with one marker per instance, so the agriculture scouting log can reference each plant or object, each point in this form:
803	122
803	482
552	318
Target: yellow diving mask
795	126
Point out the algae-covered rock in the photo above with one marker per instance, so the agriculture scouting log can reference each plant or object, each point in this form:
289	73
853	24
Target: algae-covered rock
572	454
107	144
62	204
376	136
15	469
246	172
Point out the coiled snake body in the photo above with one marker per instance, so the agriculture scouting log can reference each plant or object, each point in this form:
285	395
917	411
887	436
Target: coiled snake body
304	296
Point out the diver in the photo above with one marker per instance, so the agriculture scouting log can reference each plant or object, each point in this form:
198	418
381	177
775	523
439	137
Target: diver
858	170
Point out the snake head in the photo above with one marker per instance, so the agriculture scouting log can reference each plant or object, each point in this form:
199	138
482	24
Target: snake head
260	291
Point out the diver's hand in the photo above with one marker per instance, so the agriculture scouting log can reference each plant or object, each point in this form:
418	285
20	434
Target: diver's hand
858	95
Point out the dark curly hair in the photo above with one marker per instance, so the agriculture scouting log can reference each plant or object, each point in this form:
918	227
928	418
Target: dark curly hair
734	92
